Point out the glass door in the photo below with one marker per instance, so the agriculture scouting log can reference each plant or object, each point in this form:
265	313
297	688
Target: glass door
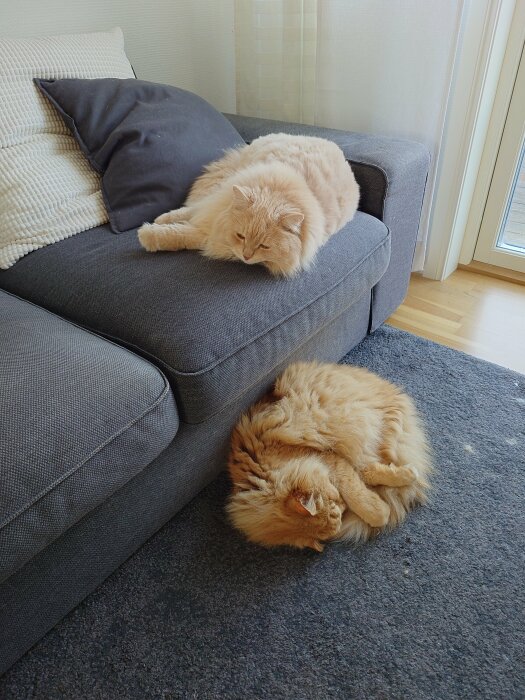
501	238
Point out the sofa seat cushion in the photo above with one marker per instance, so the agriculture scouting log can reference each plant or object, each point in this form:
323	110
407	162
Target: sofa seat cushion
79	417
214	327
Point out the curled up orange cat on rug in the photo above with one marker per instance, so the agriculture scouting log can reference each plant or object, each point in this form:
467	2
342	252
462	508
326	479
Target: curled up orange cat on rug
334	452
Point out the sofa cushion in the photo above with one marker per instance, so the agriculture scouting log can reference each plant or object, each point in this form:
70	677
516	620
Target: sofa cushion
148	141
215	328
79	417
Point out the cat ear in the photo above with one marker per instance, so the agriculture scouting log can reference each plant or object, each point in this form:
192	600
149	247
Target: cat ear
292	221
242	195
303	504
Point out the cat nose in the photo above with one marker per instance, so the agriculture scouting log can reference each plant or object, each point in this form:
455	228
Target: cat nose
247	257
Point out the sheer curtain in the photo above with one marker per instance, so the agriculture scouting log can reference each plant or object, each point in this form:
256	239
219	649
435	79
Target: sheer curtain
276	52
376	67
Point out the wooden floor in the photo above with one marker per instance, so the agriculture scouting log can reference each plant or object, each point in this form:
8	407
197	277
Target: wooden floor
479	315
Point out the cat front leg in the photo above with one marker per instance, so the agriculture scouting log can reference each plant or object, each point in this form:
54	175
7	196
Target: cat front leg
374	473
154	237
175	216
364	502
379	474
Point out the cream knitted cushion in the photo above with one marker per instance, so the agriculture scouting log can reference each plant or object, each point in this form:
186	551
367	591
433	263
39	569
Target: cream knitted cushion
48	190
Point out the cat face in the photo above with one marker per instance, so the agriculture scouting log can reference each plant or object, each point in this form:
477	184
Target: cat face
266	230
299	507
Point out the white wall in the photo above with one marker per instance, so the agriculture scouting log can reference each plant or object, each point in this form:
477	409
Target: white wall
385	67
188	43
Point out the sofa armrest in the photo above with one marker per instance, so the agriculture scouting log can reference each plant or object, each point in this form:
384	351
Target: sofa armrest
392	174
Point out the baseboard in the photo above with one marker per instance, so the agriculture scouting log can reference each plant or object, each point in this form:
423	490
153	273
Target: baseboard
500	273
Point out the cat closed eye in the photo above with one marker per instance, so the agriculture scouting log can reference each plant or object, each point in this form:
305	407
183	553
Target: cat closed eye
266	247
240	236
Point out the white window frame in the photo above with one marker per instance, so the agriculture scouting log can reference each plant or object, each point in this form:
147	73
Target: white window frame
490	29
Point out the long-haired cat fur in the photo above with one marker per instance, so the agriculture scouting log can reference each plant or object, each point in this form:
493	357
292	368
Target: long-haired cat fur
275	201
334	452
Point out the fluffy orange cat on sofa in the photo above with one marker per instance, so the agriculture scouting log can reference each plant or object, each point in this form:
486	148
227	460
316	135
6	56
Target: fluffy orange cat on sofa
275	201
333	453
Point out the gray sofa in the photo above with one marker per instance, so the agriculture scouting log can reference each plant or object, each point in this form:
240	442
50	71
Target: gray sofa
123	373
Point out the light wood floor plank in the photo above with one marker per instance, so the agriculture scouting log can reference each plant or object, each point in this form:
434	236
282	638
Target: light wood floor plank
480	315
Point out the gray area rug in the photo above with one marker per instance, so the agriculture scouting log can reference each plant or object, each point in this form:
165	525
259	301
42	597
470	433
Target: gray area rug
433	610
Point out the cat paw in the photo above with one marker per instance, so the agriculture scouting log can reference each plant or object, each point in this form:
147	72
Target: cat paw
379	515
281	270
332	524
405	475
166	218
148	237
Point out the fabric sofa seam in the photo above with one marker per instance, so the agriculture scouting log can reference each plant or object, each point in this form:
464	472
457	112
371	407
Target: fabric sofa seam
310	336
287	318
165	393
306	340
96	334
153	359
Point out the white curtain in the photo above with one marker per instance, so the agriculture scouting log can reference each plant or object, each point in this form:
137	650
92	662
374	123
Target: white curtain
374	66
275	51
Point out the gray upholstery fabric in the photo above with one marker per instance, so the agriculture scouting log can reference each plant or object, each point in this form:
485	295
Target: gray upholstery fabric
392	174
214	327
79	417
148	141
54	581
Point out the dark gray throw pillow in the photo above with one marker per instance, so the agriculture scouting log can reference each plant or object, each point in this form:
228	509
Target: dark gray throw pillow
148	141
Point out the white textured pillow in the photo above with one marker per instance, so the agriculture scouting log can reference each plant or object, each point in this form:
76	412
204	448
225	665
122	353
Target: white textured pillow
48	190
